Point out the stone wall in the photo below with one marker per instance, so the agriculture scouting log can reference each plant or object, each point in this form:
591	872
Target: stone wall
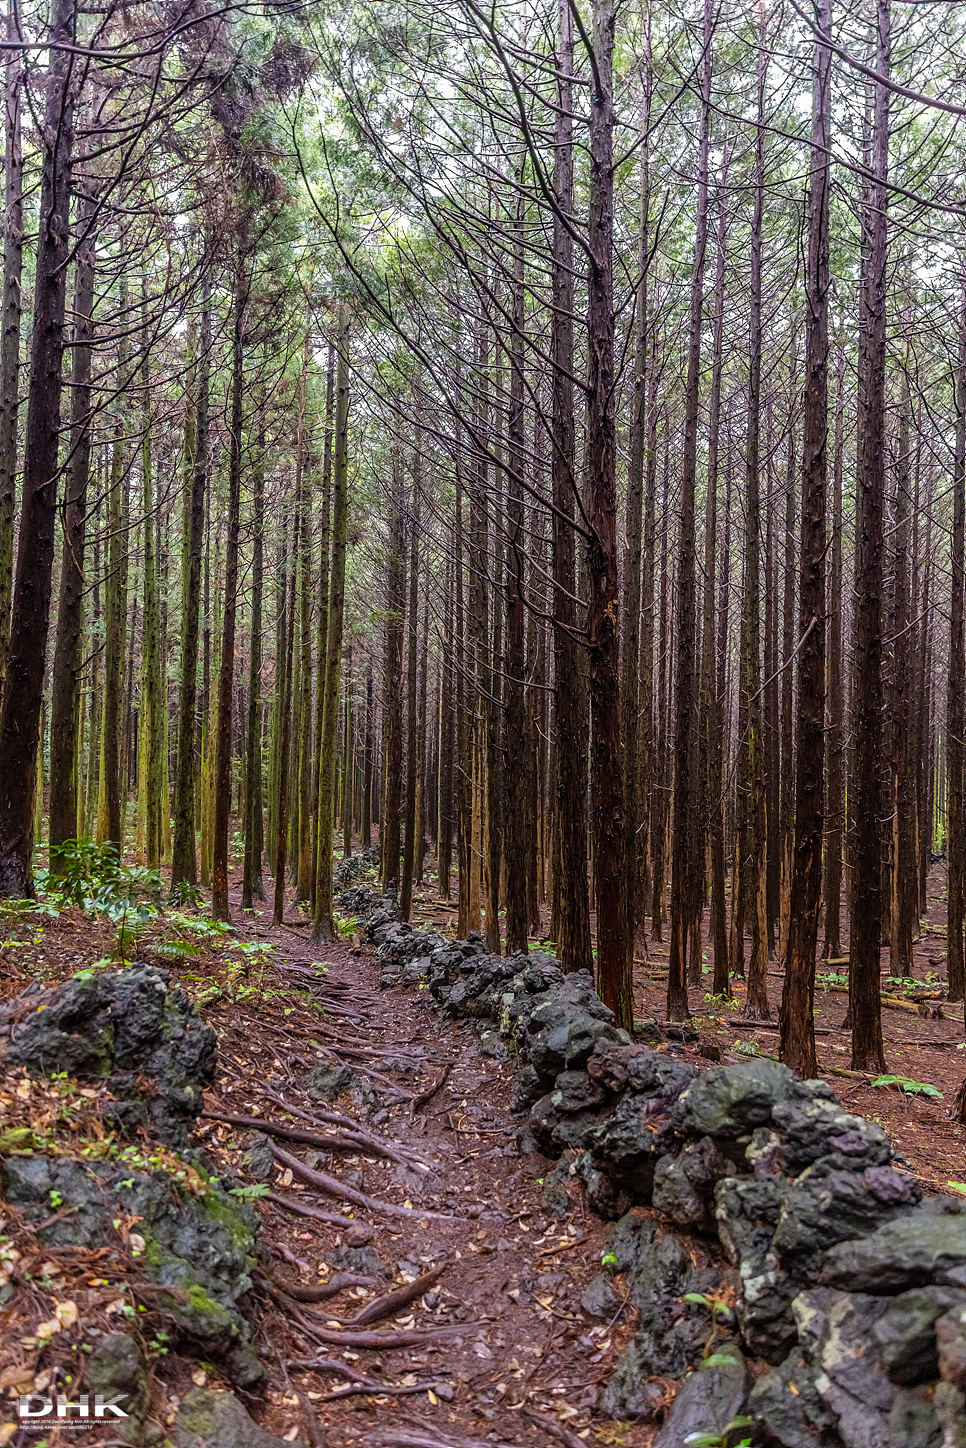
841	1316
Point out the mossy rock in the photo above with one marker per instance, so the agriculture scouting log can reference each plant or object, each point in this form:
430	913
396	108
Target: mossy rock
120	1026
207	1419
200	1247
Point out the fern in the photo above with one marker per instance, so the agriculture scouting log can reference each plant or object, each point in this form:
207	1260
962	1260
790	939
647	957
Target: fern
177	949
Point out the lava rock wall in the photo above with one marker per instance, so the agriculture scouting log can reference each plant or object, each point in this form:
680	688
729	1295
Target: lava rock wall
848	1324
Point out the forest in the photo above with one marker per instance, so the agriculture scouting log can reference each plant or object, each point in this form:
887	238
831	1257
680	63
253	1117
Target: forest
513	457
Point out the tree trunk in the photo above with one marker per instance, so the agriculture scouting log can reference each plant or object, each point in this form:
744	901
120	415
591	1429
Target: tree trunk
682	861
324	925
23	689
151	724
184	864
796	1018
306	800
322	631
571	898
10	328
712	702
252	885
389	834
866	794
614	981
753	855
835	743
226	676
412	649
285	734
633	529
956	693
366	825
905	865
66	705
348	771
514	747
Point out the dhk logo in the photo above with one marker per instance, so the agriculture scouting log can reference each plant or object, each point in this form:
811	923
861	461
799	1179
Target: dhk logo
87	1409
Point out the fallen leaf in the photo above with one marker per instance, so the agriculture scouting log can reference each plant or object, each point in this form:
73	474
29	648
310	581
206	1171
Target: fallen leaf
12	1376
66	1313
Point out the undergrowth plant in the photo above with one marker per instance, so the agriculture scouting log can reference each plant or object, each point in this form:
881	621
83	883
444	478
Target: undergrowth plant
910	1087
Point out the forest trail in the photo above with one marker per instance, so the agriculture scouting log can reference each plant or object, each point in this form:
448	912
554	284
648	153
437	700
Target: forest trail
508	1350
422	1283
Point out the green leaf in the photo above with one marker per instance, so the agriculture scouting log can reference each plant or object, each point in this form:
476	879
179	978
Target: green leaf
249	1194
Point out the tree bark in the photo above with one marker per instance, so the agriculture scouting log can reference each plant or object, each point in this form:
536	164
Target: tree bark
633	530
905	864
389	835
10	327
65	706
184	864
285	735
252	886
866	793
956	692
614	981
322	631
324	922
571	910
226	675
23	690
682	862
835	742
412	649
514	746
796	1017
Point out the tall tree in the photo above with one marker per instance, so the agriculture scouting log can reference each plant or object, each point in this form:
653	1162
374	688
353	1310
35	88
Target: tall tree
226	676
796	1019
10	323
324	923
65	707
956	689
607	786
682	855
184	864
571	912
23	688
866	793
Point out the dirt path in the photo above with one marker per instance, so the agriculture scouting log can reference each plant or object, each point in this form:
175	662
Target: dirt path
515	1359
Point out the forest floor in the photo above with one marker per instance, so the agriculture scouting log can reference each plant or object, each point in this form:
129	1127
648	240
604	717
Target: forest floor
507	1354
